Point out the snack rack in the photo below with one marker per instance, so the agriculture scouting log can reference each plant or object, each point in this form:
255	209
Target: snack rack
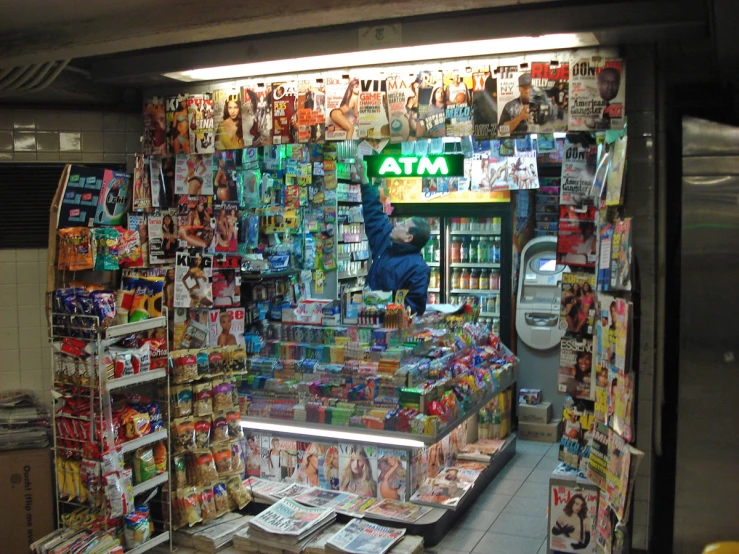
82	381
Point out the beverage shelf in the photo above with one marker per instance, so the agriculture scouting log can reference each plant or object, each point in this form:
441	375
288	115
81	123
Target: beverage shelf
432	264
489	314
475	265
433	289
479	233
474	291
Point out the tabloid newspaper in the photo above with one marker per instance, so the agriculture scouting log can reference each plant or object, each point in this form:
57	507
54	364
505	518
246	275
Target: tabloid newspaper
200	116
362	537
397	510
288	517
597	93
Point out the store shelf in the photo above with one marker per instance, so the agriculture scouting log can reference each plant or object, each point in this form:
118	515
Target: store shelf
349	201
151	543
435	233
138	379
137	327
479	233
474	291
433	264
474	265
135	444
256	277
433	289
489	314
150	484
345	275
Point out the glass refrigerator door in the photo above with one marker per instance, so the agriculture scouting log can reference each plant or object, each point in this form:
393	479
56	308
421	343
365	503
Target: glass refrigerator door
473	271
433	256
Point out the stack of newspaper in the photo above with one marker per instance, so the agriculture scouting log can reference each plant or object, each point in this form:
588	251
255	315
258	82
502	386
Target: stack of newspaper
24	421
448	488
286	525
362	537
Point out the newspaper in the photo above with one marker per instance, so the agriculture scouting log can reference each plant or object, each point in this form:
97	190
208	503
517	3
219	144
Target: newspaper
395	509
362	537
323	498
287	517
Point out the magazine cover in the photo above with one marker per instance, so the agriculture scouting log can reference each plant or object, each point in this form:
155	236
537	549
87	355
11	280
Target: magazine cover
578	303
523	171
358	469
161	180
155	127
516	104
194	174
598	462
194	221
578	173
619	474
138	223
192	287
598	94
602	384
456	474
373	120
226	283
229	134
550	83
256	114
279	458
575	367
311	111
432	104
253	454
392	478
322	498
292	490
191	329
287	517
572	517
342	108
398	510
622	396
226	326
482	450
576	240
440	493
615	180
178	125
402	106
605	525
225	177
484	104
284	112
141	185
362	537
311	459
116	195
162	236
620	269
576	433
200	116
458	86
226	221
356	506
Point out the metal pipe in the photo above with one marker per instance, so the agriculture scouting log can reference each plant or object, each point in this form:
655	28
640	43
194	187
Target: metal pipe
21	83
13	76
43	71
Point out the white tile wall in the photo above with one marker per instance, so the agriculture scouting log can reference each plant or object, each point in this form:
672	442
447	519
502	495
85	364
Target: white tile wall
47	136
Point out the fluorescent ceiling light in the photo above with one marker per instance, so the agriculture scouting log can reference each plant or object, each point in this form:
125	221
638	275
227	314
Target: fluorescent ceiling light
332	434
403	54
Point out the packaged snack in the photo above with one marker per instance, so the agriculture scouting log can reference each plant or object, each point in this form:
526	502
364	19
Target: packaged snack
137	528
237	456
179	465
233	418
77	249
105	307
220	493
222	456
202	405
202	432
237	492
158	350
105	241
135	424
141	359
129	248
122	365
115	493
144	466
202	468
222	399
181	401
185	366
156	294
203	363
183	435
217	362
208	504
190	506
219	428
160	457
237	358
155	416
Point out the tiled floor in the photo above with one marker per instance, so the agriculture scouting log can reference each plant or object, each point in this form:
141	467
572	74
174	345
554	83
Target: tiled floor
510	515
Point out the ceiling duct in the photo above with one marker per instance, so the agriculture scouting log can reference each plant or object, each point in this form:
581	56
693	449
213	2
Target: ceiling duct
29	78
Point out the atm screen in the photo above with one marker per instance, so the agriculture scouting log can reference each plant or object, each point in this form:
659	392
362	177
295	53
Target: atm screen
548	265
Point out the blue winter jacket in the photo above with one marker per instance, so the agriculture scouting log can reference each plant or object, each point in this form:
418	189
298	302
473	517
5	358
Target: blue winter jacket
394	266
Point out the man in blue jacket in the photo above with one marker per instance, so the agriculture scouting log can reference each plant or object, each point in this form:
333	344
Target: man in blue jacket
396	251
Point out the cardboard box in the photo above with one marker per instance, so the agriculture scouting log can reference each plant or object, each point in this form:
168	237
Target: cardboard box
529	396
539	413
28	496
540	432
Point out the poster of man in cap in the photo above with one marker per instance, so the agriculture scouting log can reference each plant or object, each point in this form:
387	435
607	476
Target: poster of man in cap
525	108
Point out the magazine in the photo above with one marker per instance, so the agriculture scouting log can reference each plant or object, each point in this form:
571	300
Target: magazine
192	285
576	239
225	176
311	111
373	120
155	127
572	517
264	489
256	114
229	128
279	458
194	174
195	221
482	450
200	116
227	326
342	108
446	494
253	455
396	510
358	469
161	173
178	125
578	173
432	105
456	474
323	498
402	106
392	477
615	359
292	490
620	270
578	303
550	84
226	223
576	367
141	185
458	91
615	181
516	104
576	433
598	461
362	537
190	328
622	466
484	104
356	506
138	224
226	281
162	236
605	525
597	94
284	112
288	517
116	195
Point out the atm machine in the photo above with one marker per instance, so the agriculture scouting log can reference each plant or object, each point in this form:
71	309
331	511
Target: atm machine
537	319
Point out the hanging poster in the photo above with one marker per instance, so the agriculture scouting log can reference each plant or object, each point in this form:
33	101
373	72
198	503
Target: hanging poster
597	94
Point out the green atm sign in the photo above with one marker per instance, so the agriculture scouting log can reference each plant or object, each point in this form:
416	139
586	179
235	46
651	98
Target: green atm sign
388	167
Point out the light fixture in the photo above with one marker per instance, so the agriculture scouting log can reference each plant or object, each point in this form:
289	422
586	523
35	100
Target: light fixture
332	434
404	54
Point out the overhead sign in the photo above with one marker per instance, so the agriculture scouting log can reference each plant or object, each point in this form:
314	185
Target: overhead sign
388	167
